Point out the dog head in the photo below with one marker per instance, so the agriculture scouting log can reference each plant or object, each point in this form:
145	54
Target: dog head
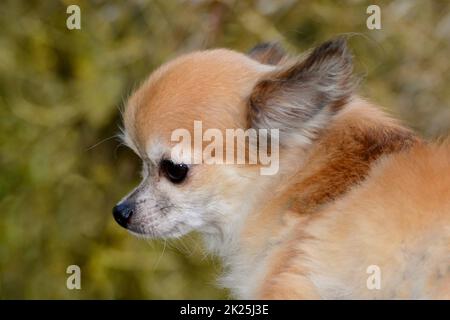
221	90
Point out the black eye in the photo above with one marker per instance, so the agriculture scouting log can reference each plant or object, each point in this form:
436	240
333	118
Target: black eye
173	171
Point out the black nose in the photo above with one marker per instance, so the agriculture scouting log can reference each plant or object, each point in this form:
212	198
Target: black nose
122	213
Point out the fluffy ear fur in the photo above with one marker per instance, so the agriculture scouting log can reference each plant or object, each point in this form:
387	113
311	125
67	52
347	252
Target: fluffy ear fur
268	53
299	99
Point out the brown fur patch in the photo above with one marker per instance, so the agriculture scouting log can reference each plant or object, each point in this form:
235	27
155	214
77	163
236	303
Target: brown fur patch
342	157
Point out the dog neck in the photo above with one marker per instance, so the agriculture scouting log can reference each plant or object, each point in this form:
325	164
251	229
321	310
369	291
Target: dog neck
309	178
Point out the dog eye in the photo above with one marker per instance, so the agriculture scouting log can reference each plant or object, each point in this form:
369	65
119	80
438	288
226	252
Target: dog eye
173	171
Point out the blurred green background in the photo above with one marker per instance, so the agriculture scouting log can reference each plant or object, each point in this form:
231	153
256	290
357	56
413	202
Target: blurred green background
60	94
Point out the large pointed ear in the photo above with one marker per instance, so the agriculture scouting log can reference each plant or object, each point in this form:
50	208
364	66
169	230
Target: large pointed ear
300	99
268	53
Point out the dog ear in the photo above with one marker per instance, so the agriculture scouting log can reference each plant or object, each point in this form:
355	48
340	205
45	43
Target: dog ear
267	53
299	99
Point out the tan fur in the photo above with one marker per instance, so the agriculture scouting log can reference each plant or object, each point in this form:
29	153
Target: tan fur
397	219
186	90
366	191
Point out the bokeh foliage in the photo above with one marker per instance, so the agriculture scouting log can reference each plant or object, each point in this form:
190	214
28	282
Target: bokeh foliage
60	95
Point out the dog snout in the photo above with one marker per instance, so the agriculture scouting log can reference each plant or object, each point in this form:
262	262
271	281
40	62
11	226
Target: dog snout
122	213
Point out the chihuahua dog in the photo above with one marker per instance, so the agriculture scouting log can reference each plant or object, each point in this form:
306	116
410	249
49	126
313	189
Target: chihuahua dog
358	208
